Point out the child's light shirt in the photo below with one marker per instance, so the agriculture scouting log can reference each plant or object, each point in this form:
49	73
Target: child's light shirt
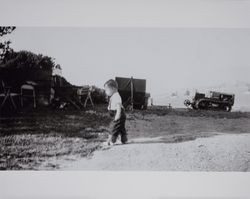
114	100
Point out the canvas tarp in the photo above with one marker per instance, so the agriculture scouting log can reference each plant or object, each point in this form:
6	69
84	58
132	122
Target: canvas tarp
125	87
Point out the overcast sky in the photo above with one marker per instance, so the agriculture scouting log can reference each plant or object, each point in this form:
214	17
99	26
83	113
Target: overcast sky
169	58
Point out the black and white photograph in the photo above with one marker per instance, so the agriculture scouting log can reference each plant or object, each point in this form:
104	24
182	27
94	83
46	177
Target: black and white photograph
124	99
171	99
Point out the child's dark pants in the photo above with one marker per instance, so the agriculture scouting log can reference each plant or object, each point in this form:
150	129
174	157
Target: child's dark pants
118	127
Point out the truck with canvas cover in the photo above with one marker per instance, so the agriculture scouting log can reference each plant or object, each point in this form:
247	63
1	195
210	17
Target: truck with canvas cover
133	92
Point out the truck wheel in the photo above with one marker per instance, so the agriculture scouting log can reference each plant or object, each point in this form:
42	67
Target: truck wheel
202	105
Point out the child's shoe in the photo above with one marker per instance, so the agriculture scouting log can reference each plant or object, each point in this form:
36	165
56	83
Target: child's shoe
124	139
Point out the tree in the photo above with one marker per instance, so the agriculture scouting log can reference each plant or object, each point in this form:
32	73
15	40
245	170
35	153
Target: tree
4	30
27	59
5	45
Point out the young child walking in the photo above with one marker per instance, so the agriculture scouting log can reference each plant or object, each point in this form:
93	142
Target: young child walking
117	111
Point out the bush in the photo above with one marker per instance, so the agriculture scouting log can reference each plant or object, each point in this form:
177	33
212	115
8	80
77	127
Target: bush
26	59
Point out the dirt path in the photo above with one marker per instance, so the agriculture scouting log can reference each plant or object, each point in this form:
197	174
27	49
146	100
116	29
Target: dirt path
218	153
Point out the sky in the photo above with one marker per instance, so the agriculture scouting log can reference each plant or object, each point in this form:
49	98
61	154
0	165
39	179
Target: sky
168	58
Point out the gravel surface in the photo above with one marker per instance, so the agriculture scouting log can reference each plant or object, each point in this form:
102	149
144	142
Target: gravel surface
218	153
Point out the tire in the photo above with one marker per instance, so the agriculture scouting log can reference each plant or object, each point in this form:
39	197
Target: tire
203	105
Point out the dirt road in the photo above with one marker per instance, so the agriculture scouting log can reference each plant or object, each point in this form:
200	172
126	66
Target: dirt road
218	153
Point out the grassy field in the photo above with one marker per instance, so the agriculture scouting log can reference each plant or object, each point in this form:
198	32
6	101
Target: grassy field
44	139
29	140
176	125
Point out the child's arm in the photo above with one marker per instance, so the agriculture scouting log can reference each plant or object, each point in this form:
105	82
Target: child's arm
118	111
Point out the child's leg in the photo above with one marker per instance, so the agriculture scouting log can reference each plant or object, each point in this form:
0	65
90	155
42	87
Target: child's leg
123	130
114	131
118	128
109	139
124	137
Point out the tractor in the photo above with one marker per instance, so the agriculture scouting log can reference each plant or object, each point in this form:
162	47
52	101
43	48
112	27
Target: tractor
215	101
